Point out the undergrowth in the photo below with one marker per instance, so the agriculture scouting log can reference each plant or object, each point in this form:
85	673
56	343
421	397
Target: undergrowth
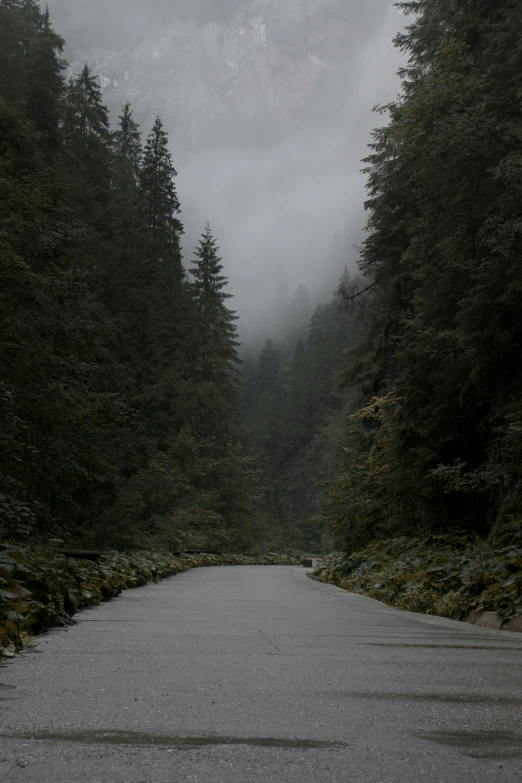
447	575
41	590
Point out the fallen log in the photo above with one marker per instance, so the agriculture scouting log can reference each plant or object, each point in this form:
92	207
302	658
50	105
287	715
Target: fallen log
79	554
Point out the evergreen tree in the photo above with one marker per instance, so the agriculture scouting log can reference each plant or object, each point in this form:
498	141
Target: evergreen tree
296	416
86	118
45	82
124	284
165	308
268	374
12	53
128	147
269	405
30	64
216	358
160	202
88	156
300	309
295	324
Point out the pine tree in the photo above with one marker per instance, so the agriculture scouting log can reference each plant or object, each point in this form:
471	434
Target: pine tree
30	64
296	416
128	148
269	407
45	82
165	304
88	152
86	118
297	319
216	357
128	208
160	201
12	55
269	368
19	23
125	282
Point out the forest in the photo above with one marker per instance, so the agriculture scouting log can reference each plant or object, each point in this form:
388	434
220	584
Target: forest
132	418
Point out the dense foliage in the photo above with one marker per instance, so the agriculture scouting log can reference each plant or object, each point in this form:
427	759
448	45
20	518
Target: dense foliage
412	396
433	437
290	399
40	590
450	575
118	369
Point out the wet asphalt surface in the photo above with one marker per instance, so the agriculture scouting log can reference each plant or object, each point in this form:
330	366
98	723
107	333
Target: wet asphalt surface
261	674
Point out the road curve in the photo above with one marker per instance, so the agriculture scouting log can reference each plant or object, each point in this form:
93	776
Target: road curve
261	674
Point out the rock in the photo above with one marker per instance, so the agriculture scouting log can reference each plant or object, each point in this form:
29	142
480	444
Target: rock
515	624
485	619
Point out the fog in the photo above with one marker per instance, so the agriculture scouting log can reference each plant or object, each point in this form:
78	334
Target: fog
269	107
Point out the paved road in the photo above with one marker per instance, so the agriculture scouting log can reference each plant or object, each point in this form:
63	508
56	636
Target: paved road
261	674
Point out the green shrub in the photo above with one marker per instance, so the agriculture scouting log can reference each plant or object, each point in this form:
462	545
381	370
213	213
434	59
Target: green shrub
447	575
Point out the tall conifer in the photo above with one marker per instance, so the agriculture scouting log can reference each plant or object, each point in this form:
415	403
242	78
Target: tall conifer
88	148
217	358
160	200
125	282
45	81
163	276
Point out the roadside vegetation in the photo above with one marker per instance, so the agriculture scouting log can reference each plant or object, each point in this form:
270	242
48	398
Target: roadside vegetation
450	575
40	589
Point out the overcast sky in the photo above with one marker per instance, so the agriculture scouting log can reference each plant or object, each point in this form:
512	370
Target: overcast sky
269	106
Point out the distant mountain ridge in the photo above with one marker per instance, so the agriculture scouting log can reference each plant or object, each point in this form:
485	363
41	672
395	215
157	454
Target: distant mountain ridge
267	104
227	70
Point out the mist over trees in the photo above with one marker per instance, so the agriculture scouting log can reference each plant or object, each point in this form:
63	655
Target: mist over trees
434	435
118	419
392	407
262	99
423	432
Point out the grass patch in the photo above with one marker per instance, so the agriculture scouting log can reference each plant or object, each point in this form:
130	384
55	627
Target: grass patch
447	575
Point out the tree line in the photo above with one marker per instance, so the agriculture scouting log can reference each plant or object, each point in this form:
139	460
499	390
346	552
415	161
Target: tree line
119	409
394	409
436	440
419	426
